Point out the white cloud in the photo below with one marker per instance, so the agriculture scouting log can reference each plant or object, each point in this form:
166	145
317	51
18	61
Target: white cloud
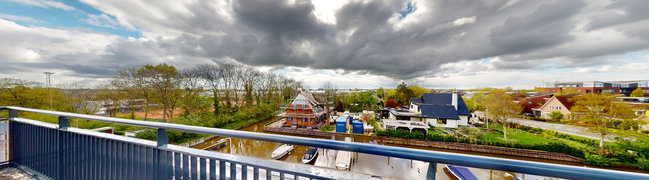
45	4
325	10
464	21
102	20
19	18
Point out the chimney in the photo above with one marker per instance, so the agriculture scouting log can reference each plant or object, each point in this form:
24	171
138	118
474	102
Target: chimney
454	100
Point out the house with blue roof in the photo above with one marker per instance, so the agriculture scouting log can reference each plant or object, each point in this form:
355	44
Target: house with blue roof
436	109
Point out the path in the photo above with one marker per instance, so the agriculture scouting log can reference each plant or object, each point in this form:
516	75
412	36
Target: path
564	128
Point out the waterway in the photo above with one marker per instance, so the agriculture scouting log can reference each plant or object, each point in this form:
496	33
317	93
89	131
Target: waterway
389	168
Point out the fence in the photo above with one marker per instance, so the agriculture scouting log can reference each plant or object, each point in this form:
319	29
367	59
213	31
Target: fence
62	152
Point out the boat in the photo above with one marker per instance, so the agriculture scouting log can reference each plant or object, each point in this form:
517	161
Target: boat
459	173
309	155
281	151
219	144
343	160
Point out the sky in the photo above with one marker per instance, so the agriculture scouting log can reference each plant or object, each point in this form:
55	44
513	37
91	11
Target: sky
350	43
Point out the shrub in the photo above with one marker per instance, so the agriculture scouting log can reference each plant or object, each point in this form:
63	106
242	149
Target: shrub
643	163
556	115
598	160
328	128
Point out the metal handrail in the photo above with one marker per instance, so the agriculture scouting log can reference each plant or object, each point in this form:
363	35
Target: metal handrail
521	166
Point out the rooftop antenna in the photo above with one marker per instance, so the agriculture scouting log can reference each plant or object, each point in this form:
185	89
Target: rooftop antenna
48	84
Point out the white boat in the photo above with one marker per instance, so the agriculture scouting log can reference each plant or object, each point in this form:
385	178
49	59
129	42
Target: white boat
343	160
309	155
281	151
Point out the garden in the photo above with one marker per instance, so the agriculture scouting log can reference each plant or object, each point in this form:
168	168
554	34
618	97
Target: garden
624	153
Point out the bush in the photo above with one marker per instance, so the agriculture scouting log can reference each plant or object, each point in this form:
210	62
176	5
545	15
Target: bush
328	128
175	137
599	160
643	163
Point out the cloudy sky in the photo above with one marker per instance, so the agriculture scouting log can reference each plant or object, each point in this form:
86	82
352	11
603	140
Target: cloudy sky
352	43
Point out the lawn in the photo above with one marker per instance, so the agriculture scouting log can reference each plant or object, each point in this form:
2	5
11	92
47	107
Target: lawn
517	136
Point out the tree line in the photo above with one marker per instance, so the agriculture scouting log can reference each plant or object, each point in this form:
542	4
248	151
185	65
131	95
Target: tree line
219	88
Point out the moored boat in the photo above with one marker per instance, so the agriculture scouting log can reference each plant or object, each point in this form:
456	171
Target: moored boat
309	155
281	151
459	173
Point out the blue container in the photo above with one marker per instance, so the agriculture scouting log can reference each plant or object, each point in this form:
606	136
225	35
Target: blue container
341	124
357	127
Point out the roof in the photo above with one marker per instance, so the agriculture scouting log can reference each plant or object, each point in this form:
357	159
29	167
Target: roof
415	100
533	102
443	99
566	100
439	111
321	97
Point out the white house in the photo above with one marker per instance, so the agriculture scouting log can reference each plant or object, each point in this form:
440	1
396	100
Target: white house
436	109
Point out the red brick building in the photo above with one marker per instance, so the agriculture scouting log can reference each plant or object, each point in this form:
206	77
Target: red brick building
613	87
306	110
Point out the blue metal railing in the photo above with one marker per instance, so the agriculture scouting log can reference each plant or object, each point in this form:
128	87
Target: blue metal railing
173	159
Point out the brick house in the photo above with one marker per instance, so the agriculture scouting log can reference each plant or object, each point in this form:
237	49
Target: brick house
306	110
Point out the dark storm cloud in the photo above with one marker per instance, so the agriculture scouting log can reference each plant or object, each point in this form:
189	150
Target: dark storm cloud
367	36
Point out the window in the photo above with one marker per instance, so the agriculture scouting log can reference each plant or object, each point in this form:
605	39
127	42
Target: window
646	91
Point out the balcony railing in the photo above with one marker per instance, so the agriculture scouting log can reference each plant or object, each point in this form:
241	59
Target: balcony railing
61	152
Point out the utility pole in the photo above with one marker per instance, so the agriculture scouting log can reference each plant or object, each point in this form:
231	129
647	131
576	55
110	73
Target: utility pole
486	115
48	84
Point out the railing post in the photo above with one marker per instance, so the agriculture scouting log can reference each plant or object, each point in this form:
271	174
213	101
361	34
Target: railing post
432	171
13	113
162	138
161	161
64	123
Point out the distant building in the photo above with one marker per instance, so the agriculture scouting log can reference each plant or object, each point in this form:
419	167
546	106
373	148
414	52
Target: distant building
307	110
436	109
533	101
613	87
562	104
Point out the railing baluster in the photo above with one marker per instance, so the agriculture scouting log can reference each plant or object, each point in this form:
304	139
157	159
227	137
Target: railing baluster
222	170
212	169
255	173
185	166
269	174
244	172
203	173
177	169
233	170
194	166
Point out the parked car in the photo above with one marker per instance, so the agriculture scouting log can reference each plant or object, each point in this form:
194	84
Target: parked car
528	114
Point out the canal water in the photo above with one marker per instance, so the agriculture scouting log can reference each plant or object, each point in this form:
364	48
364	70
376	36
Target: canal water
389	168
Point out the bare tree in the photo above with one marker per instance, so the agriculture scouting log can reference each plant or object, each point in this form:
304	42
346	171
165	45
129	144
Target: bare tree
211	74
191	85
134	81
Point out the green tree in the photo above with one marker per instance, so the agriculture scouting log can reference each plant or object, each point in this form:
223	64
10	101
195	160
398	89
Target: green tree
164	80
556	115
566	91
19	92
502	107
600	110
403	94
418	91
637	93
